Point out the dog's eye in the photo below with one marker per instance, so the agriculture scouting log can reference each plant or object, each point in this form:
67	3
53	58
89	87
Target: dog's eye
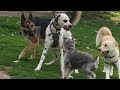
105	45
31	26
65	21
27	26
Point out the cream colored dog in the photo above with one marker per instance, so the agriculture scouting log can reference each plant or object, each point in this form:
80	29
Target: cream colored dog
109	50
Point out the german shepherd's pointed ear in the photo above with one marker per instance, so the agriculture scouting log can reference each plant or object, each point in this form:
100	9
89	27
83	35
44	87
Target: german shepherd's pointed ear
30	16
22	19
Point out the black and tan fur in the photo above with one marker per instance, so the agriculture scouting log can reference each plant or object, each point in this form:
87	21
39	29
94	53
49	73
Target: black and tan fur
34	30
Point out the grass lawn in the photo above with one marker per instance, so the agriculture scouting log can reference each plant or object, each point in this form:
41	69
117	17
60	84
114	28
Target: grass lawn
12	43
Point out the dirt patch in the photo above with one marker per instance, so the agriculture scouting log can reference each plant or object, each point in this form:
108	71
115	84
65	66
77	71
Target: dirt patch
18	13
35	13
4	75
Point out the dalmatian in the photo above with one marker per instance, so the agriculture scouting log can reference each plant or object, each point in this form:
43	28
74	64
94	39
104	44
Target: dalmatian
57	30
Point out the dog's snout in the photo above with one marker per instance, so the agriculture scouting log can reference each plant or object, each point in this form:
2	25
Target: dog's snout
99	49
70	26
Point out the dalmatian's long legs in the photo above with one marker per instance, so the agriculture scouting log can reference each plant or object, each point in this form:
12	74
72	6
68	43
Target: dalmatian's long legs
48	43
54	56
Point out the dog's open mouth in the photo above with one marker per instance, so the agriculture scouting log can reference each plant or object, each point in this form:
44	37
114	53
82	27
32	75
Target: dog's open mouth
66	28
104	53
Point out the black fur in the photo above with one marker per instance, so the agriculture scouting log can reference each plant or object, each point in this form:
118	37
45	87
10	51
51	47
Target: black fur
56	39
56	19
45	48
43	23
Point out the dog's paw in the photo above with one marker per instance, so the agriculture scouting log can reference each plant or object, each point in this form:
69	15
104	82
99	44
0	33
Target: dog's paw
94	76
64	78
47	63
16	61
107	78
30	58
111	73
36	69
76	71
70	77
61	77
50	63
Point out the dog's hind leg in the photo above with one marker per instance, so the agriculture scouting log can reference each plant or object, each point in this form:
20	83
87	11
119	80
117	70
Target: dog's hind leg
70	76
42	59
54	56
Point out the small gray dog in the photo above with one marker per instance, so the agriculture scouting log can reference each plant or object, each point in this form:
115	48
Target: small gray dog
74	59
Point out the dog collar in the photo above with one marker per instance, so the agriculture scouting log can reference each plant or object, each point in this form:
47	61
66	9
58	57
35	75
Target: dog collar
55	36
109	56
55	26
113	63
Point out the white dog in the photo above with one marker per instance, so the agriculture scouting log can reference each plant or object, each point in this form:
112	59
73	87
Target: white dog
109	50
57	30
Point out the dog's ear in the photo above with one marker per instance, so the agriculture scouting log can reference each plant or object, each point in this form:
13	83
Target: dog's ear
116	44
30	16
54	13
56	17
97	59
22	19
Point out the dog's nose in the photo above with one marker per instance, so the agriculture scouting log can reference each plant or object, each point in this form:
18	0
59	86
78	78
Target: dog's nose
70	26
99	49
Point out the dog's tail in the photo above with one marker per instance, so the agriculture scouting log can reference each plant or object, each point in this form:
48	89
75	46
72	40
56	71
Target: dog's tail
76	17
101	33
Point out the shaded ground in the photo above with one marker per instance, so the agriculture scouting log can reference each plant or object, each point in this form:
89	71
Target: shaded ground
4	75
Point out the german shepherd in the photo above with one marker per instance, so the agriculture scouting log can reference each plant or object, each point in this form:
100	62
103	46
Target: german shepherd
34	30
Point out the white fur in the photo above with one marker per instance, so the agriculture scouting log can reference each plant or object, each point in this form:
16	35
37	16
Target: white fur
108	43
76	71
49	39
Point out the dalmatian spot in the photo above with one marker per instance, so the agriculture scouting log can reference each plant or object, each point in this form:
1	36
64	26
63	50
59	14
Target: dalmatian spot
44	54
50	34
45	48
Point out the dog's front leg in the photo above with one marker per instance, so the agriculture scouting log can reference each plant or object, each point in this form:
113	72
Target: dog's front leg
33	54
48	43
91	75
107	69
107	74
62	61
118	66
61	52
42	59
28	48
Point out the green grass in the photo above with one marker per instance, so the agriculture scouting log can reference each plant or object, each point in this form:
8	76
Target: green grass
84	32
